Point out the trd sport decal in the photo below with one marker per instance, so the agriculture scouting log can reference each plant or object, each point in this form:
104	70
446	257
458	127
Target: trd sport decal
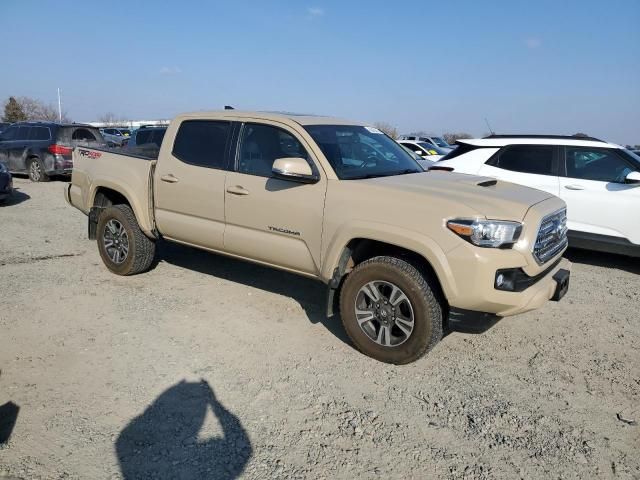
284	230
89	153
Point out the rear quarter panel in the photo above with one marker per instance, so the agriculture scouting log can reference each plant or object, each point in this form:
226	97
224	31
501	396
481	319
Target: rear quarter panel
127	175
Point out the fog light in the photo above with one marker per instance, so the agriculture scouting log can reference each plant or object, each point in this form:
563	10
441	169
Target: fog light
500	280
505	280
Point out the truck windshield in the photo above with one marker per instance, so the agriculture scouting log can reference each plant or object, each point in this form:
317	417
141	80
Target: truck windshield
357	152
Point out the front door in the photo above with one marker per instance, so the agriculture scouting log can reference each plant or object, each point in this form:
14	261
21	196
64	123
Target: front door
189	184
598	199
271	220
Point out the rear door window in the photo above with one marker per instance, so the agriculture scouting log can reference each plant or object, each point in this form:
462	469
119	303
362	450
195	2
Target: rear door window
203	143
535	159
40	133
23	133
143	137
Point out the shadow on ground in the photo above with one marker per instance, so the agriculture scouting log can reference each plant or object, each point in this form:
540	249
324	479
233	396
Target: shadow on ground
8	417
16	198
606	260
310	294
163	442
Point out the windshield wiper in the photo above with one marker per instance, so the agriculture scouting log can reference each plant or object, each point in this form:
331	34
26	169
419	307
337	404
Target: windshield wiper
384	174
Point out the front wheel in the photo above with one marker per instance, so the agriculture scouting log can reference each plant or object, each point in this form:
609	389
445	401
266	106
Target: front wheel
389	310
124	249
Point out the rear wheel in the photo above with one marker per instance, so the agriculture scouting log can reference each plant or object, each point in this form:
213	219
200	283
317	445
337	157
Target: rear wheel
389	310
123	247
36	171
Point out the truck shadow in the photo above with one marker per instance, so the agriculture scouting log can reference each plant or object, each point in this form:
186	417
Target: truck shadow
163	442
606	260
8	417
310	294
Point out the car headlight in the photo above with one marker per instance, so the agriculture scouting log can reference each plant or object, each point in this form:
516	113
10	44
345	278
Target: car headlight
486	233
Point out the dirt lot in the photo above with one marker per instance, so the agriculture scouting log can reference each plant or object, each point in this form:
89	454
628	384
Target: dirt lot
207	367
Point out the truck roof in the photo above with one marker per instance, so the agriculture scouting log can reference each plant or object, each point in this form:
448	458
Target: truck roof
302	119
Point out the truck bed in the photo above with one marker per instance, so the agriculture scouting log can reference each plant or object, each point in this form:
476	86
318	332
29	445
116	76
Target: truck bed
96	169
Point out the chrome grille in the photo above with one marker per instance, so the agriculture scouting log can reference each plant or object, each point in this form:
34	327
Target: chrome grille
552	236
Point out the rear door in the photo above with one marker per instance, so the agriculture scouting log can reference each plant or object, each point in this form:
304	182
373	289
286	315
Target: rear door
189	183
275	221
533	166
598	199
17	149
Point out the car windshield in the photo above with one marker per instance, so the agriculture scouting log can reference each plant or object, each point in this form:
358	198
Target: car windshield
432	149
440	142
357	152
634	157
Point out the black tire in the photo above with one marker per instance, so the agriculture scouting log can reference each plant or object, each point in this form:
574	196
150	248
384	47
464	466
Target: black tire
36	171
426	309
141	249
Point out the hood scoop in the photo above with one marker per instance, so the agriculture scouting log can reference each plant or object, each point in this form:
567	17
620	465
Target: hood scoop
488	183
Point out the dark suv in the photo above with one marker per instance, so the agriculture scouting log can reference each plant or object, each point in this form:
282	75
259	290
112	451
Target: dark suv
43	149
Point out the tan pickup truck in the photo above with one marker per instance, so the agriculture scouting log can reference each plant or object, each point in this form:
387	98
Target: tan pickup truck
405	253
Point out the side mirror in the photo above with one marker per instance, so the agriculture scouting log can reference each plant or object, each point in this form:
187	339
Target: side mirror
295	169
633	177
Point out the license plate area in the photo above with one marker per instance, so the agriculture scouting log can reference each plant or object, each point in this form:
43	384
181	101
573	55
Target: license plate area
561	278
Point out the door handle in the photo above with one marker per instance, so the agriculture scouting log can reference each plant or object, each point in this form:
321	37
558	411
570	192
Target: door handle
169	178
238	190
574	187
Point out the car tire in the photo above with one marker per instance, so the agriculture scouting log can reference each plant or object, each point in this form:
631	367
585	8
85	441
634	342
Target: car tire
36	171
123	247
404	293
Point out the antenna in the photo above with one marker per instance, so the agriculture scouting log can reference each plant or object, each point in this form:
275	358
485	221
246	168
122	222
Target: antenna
489	126
59	106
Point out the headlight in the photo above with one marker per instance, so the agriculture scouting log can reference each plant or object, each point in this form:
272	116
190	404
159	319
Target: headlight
486	233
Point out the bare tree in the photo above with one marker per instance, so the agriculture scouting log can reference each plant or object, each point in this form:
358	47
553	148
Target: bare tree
387	128
110	119
451	138
35	109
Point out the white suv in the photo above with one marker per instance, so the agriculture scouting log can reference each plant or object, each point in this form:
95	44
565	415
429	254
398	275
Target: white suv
599	181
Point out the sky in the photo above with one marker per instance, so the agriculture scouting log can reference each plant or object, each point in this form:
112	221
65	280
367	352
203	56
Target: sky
538	66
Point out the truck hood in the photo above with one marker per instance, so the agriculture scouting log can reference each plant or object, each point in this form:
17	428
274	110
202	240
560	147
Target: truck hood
490	198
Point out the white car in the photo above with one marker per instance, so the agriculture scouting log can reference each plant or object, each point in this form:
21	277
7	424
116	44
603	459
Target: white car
599	181
425	163
425	150
434	140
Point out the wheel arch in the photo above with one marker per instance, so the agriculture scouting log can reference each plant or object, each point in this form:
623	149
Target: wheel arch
424	255
105	194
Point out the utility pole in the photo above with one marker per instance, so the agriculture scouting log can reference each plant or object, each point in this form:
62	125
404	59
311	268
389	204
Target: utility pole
59	106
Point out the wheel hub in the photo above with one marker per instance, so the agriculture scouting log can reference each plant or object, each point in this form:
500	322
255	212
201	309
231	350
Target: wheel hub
384	313
116	241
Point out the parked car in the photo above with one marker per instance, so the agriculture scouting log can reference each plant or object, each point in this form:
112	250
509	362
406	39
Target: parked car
6	183
146	141
43	149
434	140
403	251
4	126
424	162
599	181
115	137
426	151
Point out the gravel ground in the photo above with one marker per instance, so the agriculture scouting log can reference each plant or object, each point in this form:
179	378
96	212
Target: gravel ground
207	367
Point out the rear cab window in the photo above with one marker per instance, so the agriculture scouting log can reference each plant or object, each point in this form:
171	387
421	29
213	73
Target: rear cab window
203	143
80	134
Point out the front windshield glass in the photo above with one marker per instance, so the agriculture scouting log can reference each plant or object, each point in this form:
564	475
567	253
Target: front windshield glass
440	142
357	152
634	157
432	149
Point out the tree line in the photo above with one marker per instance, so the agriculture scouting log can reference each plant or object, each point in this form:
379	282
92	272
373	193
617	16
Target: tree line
20	109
